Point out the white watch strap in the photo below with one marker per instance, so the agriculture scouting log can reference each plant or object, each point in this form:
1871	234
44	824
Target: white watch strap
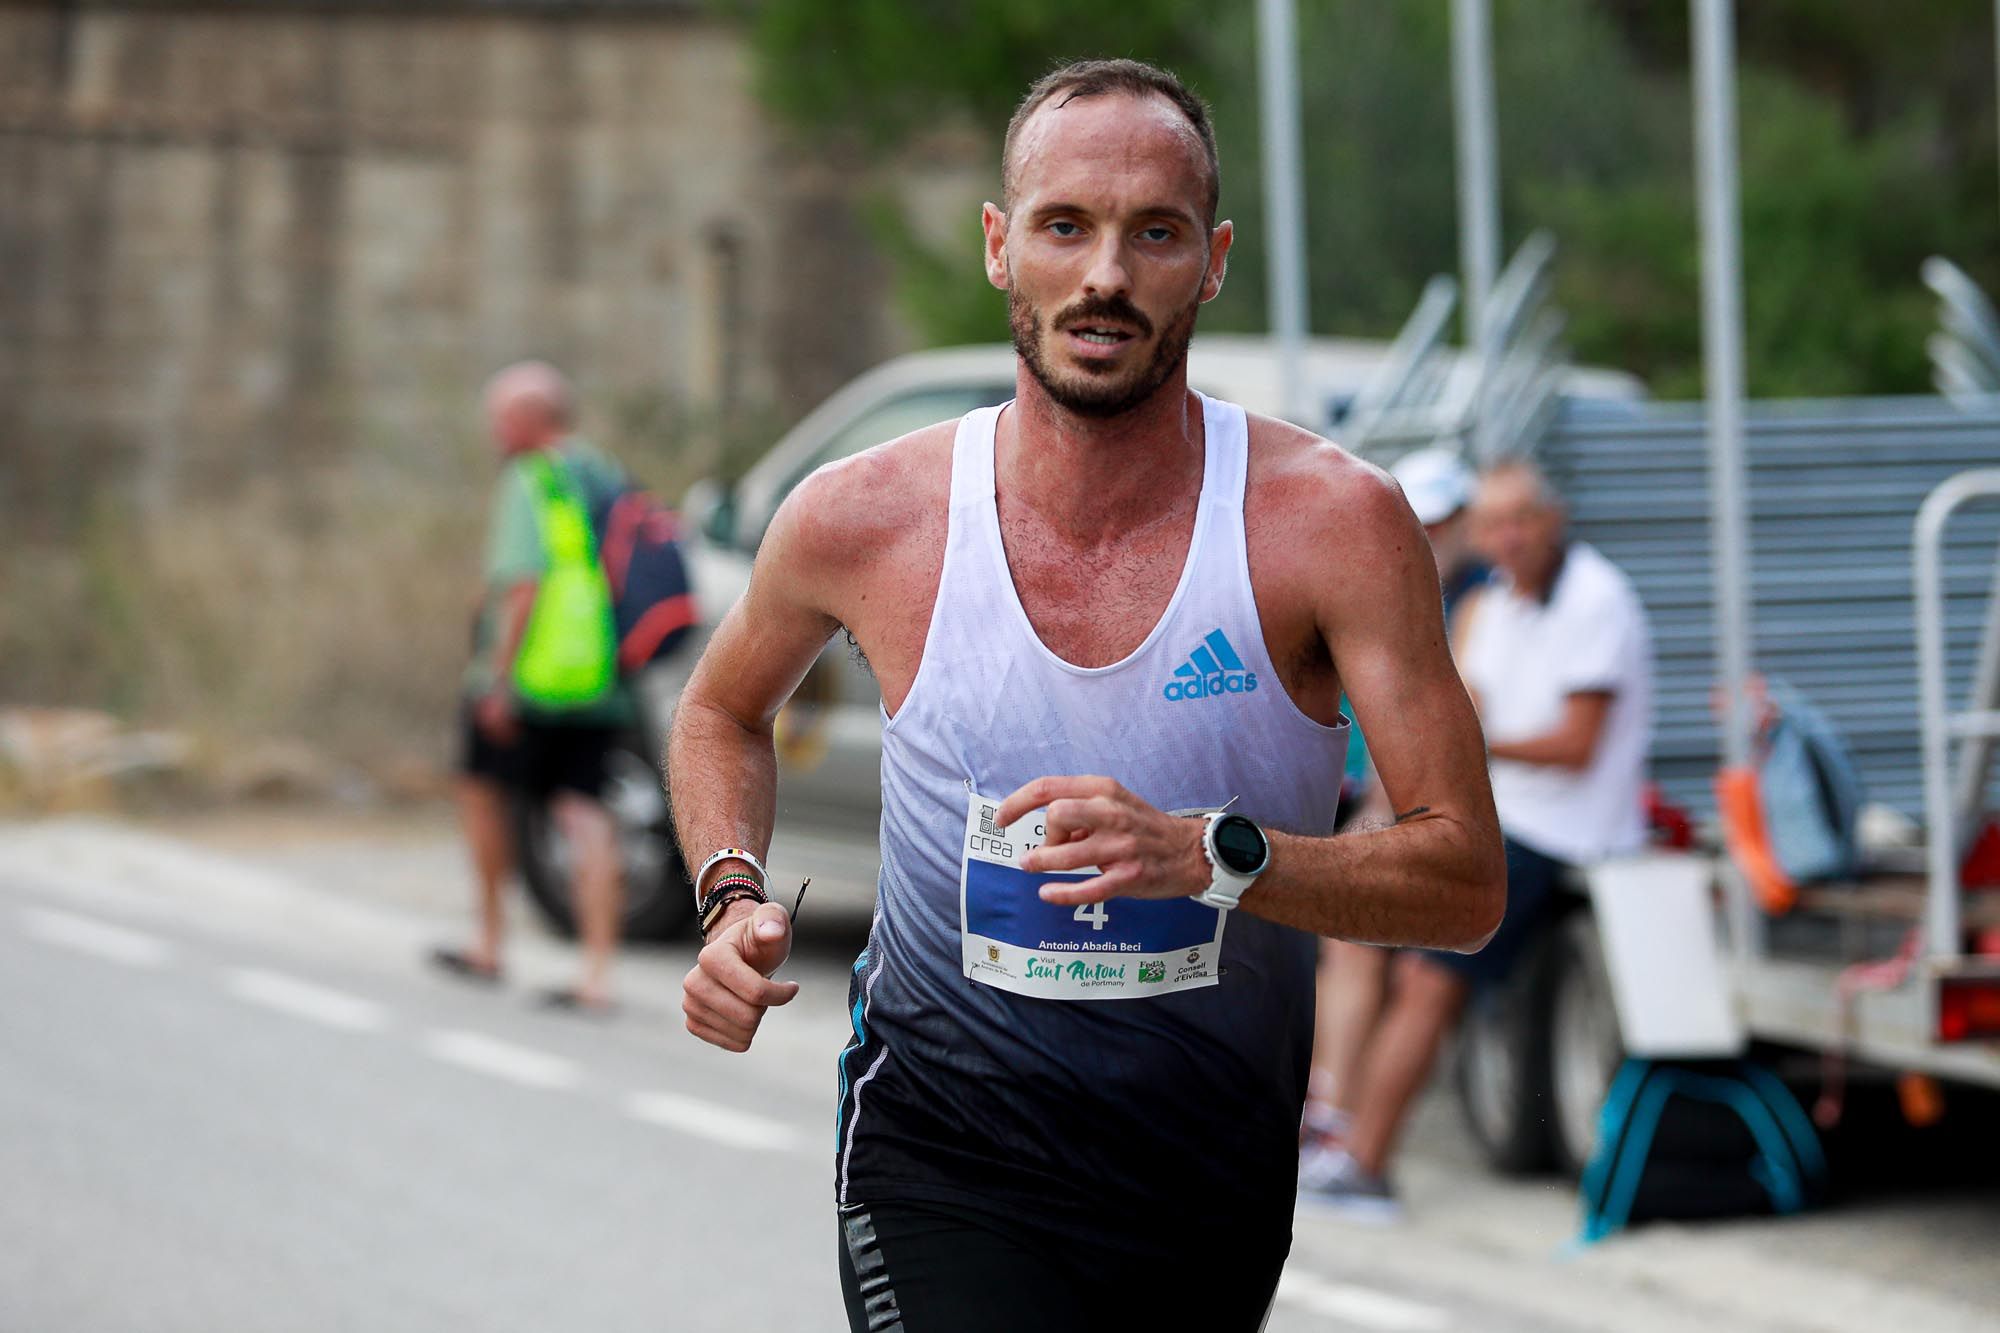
1225	886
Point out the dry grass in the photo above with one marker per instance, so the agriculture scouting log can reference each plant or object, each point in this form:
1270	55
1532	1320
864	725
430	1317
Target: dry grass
338	615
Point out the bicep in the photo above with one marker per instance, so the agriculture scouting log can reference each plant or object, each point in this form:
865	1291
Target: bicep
1386	632
768	640
513	539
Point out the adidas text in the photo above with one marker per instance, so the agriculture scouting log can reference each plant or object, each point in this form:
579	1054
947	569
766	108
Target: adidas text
1208	687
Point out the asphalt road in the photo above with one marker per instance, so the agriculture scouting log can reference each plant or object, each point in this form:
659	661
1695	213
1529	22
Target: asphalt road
231	1098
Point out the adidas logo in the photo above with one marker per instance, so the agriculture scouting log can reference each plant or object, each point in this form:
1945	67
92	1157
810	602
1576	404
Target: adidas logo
1211	670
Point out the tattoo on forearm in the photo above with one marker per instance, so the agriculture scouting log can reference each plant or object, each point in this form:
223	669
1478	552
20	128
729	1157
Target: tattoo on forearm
1412	814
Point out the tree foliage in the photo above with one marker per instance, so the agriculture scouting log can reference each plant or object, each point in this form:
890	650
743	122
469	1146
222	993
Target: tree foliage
1867	143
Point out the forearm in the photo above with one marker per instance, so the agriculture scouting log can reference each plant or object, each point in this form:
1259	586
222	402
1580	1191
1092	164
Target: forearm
1554	749
722	780
1571	743
515	605
1430	881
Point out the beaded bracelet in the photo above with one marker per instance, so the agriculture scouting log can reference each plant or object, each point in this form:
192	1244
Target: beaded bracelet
729	889
732	887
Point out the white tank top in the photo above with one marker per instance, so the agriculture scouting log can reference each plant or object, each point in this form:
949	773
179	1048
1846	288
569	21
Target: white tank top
950	1085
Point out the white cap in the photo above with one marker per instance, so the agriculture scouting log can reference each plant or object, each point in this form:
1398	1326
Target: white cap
1436	482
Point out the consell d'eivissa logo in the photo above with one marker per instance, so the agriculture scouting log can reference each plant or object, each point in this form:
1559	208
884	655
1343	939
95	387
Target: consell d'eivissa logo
1212	670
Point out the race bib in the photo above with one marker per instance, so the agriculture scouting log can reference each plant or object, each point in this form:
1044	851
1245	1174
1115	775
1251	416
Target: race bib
1121	949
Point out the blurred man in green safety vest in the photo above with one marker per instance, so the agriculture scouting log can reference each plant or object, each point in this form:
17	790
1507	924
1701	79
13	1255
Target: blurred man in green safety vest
522	739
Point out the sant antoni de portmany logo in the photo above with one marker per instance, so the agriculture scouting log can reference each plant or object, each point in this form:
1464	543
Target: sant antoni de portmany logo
1211	671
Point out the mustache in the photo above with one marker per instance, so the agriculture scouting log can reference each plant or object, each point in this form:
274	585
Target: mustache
1105	307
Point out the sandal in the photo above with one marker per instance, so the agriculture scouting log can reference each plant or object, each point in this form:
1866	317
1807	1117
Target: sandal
462	965
569	999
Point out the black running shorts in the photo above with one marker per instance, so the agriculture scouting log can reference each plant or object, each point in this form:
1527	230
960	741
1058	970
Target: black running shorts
938	1268
545	758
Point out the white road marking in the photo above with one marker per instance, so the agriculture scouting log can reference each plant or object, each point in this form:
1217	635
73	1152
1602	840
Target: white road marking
712	1121
503	1059
303	999
98	938
1357	1305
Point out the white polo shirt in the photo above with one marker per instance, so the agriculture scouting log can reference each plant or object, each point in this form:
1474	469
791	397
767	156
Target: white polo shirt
1523	658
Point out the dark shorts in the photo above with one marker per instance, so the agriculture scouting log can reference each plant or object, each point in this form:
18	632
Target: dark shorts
1532	883
545	758
937	1268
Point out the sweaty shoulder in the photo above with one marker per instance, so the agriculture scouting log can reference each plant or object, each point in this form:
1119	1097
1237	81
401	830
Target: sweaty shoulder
881	509
1308	498
1332	547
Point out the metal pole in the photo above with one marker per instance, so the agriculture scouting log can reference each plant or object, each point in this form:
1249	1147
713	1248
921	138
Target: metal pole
1278	77
1722	355
1478	169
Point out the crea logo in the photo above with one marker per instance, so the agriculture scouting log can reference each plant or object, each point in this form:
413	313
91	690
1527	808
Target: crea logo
1211	671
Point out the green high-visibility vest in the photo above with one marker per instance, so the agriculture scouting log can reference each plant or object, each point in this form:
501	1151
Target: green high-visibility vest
569	650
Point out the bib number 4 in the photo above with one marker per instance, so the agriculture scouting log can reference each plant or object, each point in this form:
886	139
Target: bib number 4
1014	940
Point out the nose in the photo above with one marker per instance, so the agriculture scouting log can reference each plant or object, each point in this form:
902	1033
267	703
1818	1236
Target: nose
1107	275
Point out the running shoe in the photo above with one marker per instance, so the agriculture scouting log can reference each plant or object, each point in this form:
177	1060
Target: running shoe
1331	1180
1322	1124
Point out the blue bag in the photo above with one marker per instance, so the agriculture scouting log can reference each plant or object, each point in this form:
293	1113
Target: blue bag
1699	1139
1811	790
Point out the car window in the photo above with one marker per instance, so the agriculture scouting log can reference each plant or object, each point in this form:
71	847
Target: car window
899	416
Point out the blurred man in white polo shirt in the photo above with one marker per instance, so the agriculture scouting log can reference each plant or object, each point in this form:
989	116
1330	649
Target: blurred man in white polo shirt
1560	661
1558	657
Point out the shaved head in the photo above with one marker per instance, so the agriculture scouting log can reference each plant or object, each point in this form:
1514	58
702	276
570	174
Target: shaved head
528	405
1130	78
531	381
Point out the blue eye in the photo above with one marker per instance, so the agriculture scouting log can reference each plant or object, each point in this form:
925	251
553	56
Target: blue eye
1157	234
1065	228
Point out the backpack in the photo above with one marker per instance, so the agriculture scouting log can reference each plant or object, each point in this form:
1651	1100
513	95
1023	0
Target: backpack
652	598
1680	1140
568	653
1790	816
1812	791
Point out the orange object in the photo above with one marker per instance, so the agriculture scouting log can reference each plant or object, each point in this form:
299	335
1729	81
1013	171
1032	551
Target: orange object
1922	1099
1742	810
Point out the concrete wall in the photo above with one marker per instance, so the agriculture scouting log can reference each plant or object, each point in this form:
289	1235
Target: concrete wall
243	240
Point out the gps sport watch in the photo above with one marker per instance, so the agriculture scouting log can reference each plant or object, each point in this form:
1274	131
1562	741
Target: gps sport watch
1237	853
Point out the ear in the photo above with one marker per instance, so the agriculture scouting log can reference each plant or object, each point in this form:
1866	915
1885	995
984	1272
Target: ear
994	223
1219	241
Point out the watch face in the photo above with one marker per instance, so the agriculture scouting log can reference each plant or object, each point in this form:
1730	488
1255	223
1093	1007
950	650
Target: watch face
1239	845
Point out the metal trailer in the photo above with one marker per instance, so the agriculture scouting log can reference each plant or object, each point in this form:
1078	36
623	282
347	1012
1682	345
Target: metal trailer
1671	956
1939	1013
1865	597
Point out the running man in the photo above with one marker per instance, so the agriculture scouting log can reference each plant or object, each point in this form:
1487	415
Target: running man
1098	615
